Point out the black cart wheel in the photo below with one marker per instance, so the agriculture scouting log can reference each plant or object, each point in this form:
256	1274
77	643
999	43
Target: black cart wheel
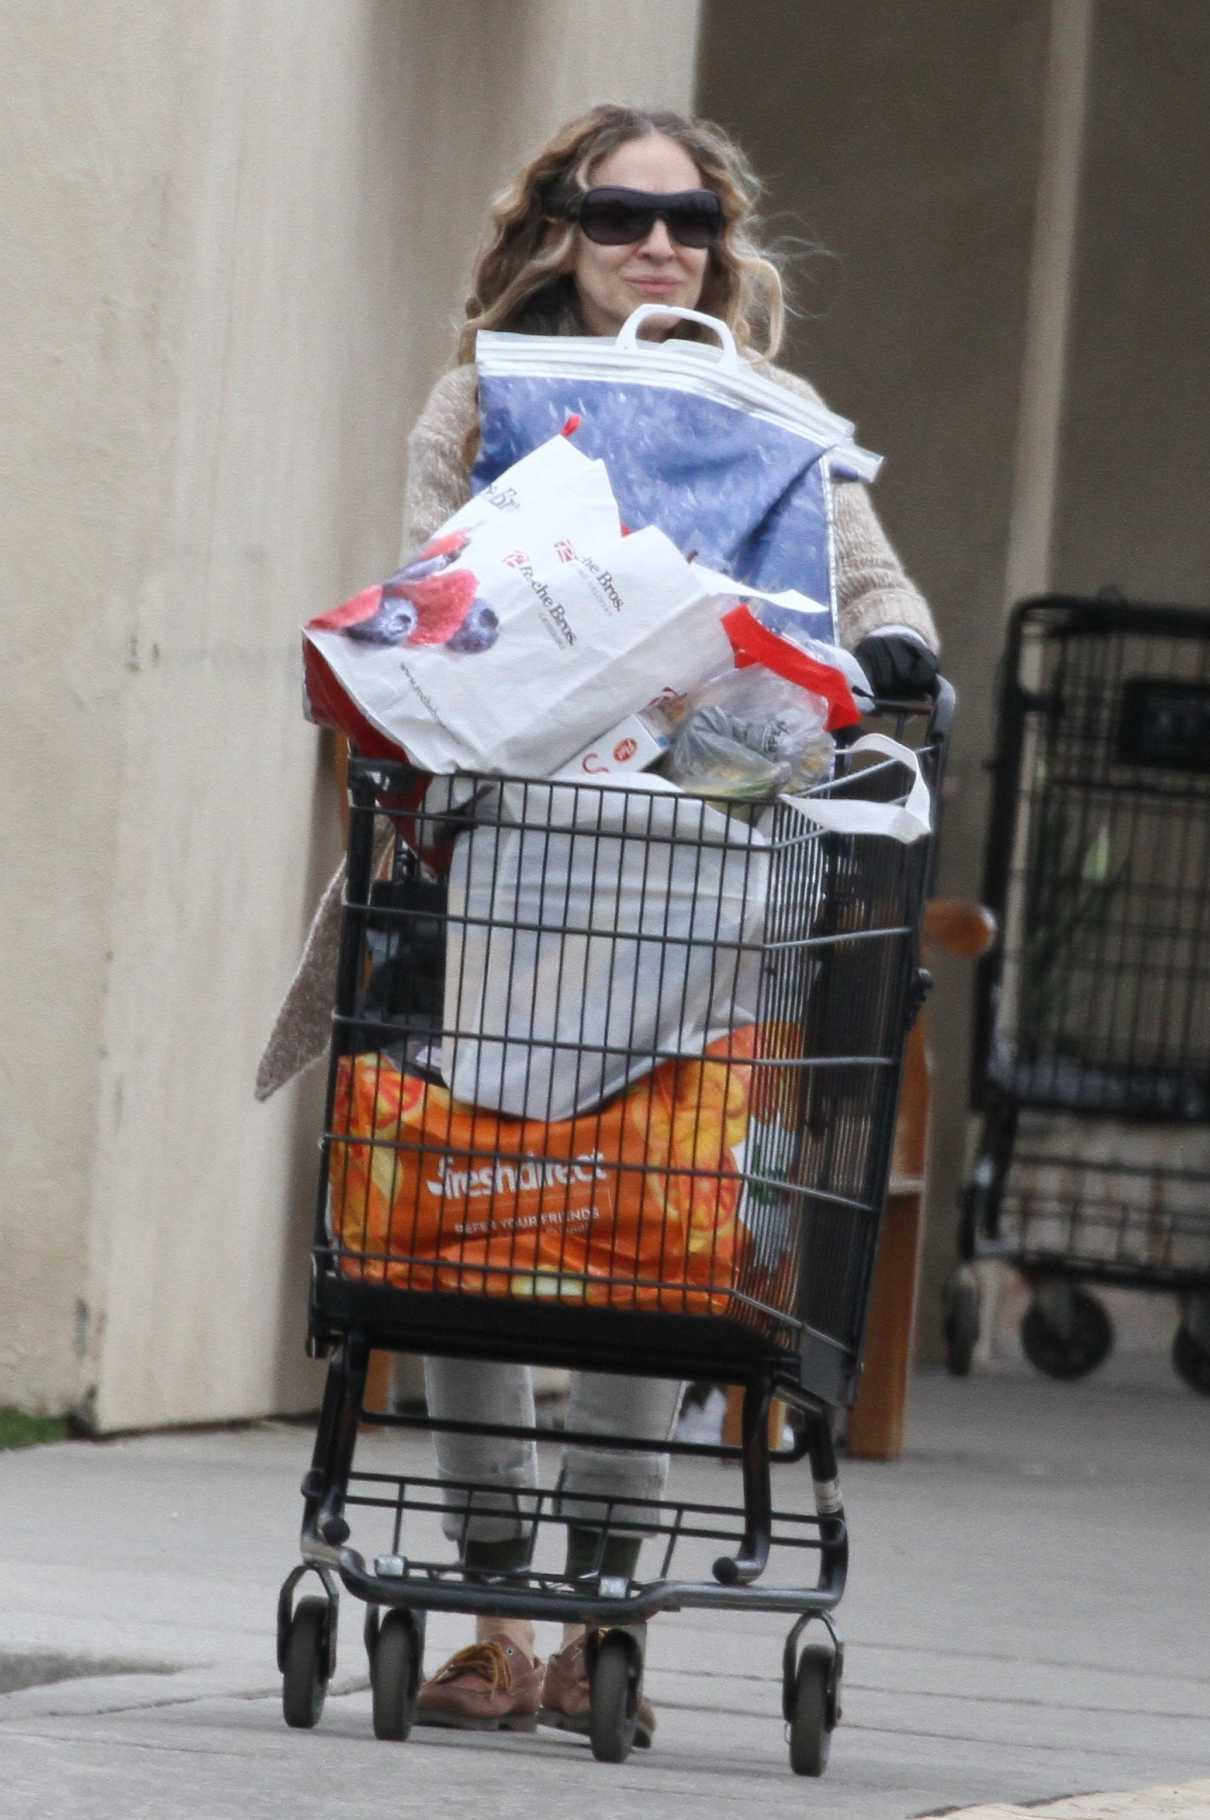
615	1699
961	1326
1087	1343
306	1673
811	1720
1191	1360
393	1677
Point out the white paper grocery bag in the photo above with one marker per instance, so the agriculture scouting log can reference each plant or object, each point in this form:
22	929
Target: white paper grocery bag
556	493
528	624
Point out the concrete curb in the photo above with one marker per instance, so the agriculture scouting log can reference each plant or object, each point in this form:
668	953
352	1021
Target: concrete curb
1189	1801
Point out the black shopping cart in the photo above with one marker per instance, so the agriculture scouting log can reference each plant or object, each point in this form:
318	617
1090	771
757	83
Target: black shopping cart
1092	1031
766	1286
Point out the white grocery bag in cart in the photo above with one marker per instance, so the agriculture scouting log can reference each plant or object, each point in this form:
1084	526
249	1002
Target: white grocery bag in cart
526	625
590	930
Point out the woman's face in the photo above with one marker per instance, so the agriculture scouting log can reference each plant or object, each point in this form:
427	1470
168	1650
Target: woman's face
612	281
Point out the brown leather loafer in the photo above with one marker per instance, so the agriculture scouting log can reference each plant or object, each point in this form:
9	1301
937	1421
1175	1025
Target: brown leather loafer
567	1696
490	1686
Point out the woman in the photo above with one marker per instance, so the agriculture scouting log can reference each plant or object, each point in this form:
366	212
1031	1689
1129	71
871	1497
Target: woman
621	208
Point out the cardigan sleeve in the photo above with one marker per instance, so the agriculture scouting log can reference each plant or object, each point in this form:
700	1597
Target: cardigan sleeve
438	478
871	587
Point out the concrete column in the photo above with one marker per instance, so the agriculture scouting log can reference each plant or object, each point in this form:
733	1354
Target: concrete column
1131	486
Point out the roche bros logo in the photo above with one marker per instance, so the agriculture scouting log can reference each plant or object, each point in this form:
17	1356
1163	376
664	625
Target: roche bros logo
605	582
533	1173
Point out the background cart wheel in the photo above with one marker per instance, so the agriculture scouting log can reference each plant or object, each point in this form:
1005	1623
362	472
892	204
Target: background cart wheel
615	1699
810	1727
393	1677
1191	1360
305	1677
961	1324
1073	1350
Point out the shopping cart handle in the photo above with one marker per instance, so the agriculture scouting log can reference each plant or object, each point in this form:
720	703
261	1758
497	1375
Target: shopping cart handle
740	1569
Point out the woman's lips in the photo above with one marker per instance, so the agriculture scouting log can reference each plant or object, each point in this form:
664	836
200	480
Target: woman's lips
659	287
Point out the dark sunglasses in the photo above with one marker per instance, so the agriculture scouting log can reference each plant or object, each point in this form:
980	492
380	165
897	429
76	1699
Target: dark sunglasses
616	217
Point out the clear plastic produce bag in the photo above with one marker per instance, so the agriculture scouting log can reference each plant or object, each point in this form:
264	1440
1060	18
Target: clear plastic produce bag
751	733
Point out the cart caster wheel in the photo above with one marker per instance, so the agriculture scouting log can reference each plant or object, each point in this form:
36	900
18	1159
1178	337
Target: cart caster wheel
306	1674
813	1714
961	1327
395	1676
1087	1344
1191	1360
614	1713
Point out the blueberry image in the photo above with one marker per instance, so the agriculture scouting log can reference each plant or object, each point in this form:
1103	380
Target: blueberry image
395	618
478	631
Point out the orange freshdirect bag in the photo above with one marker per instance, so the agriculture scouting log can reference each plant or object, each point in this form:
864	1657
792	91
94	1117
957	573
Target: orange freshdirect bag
631	1206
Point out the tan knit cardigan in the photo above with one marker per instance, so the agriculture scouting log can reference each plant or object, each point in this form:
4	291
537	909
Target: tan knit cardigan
871	591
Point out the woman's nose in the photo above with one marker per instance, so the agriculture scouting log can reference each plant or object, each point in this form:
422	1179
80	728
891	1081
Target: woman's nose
659	240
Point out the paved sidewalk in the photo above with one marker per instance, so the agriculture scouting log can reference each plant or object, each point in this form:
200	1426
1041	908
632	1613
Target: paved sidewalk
1026	1622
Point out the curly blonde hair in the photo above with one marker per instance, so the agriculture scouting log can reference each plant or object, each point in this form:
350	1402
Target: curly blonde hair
522	278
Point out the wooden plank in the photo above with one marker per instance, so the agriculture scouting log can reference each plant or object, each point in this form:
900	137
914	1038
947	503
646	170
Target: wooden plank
877	1418
734	1414
380	1381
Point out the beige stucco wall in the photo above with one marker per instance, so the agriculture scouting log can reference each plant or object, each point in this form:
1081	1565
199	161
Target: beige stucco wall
246	226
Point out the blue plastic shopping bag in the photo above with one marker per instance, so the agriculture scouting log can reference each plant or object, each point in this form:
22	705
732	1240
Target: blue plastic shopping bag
733	467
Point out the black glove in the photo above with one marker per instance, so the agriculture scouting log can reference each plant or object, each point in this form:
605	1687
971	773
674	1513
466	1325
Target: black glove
897	664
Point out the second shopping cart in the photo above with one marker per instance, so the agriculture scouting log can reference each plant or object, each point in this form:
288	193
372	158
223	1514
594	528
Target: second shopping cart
1092	1034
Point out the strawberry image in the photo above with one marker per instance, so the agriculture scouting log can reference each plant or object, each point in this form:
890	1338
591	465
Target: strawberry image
442	602
439	550
438	553
362	607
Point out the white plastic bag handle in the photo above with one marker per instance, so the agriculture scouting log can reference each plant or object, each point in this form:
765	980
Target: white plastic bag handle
904	822
628	333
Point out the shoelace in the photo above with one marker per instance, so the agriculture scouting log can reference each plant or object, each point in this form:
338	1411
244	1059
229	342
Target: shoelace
487	1659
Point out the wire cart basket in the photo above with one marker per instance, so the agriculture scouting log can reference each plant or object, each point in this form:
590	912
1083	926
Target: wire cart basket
705	1211
1092	1023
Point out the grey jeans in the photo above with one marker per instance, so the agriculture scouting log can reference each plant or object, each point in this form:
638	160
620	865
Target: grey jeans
603	1403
